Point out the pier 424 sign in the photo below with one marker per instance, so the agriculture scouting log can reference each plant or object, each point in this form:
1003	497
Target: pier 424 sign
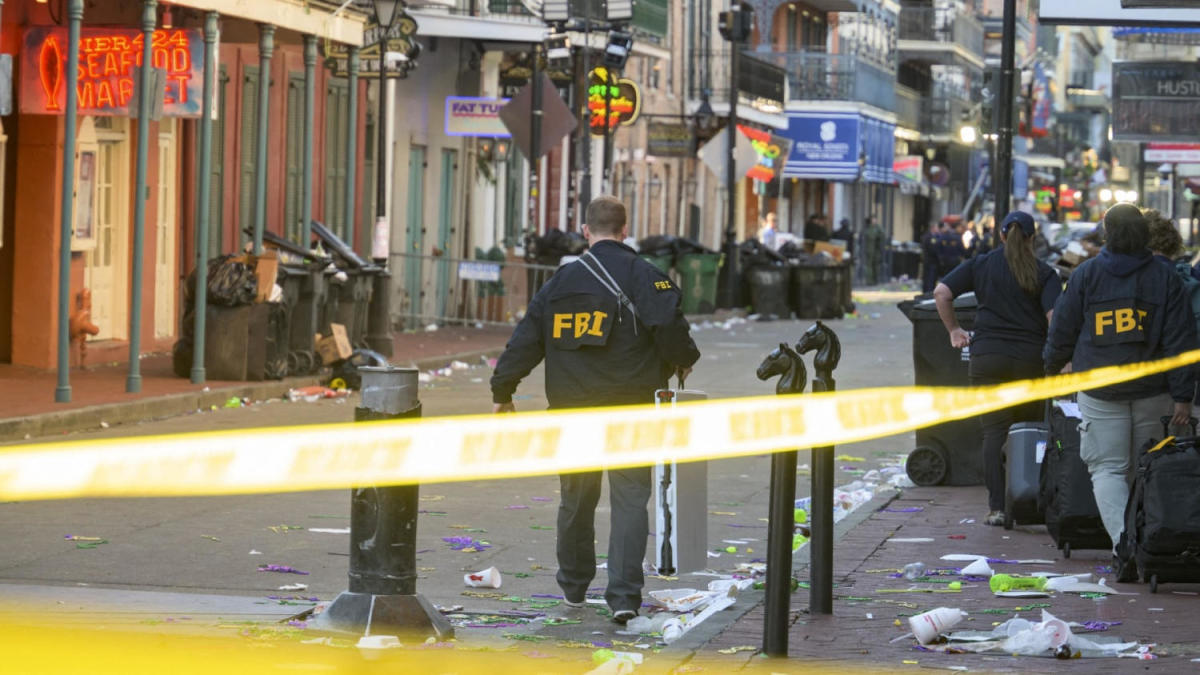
108	58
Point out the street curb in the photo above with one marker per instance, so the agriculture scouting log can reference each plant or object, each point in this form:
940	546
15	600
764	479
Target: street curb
694	640
156	407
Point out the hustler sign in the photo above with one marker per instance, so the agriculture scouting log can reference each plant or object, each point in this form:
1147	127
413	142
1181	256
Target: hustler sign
107	61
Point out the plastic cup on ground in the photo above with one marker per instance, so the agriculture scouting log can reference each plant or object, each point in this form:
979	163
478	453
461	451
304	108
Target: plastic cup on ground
489	578
927	626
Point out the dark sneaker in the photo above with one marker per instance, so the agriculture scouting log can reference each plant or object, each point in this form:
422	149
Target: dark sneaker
1126	570
624	616
995	518
573	603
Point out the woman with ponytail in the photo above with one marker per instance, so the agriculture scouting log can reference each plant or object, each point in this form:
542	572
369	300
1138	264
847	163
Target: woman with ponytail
1016	293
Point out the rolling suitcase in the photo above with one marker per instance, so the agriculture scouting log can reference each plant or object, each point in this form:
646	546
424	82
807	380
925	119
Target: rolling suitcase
681	504
1066	498
1022	452
1162	516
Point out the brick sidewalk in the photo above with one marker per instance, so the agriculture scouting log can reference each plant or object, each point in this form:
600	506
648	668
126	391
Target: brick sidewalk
98	395
863	623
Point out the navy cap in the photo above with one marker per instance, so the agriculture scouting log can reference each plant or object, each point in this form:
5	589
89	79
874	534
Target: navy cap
1022	219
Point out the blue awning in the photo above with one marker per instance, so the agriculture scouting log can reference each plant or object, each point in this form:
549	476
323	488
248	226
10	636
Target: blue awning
828	145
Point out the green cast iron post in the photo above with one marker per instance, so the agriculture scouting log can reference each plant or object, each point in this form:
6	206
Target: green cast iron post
133	381
310	102
351	146
266	49
203	194
62	392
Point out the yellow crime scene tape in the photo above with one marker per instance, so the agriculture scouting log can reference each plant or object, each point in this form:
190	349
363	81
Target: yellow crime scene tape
479	447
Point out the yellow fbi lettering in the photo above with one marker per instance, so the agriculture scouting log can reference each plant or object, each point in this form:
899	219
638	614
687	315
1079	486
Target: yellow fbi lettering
1120	320
646	434
580	323
484	448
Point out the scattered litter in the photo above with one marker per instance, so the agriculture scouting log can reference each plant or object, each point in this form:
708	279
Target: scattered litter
330	530
459	365
911	540
466	544
913	570
515	507
906	509
310	394
210	537
253	552
542	499
739	648
979	568
283	569
848	458
378	642
489	578
284	529
927	626
294	587
85	542
1050	637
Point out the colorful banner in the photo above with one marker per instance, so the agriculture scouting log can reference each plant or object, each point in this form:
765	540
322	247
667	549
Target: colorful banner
107	59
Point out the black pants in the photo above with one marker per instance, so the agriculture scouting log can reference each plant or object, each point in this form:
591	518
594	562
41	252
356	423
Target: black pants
997	369
629	492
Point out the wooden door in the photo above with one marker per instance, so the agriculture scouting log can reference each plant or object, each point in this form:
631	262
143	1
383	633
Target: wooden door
106	270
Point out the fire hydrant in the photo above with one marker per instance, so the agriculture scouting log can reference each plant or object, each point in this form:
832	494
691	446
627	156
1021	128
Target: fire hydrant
81	324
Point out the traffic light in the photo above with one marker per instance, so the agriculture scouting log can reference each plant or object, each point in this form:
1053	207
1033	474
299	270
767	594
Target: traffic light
736	24
616	53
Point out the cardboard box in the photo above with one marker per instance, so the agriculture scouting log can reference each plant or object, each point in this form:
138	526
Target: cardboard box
833	250
266	269
335	346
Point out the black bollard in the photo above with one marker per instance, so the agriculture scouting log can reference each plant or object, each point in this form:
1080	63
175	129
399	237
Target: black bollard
780	525
379	317
824	341
382	598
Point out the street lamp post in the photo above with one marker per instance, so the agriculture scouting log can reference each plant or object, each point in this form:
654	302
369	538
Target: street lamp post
735	27
1002	178
385	16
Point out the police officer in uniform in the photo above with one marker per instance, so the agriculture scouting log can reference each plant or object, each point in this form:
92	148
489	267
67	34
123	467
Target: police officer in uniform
1016	293
1121	307
610	328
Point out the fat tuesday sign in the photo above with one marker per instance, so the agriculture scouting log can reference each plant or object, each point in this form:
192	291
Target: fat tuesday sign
473	116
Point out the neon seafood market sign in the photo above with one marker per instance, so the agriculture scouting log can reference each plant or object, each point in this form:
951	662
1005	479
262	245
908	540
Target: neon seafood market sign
108	58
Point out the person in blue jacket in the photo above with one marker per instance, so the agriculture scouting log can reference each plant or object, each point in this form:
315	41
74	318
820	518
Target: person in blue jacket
1124	306
611	331
1016	293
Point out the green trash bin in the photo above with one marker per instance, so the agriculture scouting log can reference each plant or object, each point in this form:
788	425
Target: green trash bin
698	281
662	262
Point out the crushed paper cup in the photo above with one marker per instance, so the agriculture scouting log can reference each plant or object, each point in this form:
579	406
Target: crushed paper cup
489	578
979	568
680	599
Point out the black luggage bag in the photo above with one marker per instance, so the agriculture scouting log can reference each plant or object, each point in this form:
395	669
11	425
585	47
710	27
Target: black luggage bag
1066	498
1022	453
1162	516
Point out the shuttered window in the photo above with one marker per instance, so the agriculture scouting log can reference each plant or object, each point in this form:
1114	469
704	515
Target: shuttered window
650	18
248	143
337	125
293	205
368	181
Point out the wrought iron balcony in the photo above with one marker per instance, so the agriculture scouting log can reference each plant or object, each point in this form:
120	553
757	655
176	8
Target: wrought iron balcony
908	107
811	76
942	115
943	26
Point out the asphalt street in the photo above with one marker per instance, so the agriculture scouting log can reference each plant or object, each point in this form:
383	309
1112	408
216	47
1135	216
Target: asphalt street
164	558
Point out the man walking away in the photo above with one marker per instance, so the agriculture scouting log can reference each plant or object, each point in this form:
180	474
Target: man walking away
611	331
